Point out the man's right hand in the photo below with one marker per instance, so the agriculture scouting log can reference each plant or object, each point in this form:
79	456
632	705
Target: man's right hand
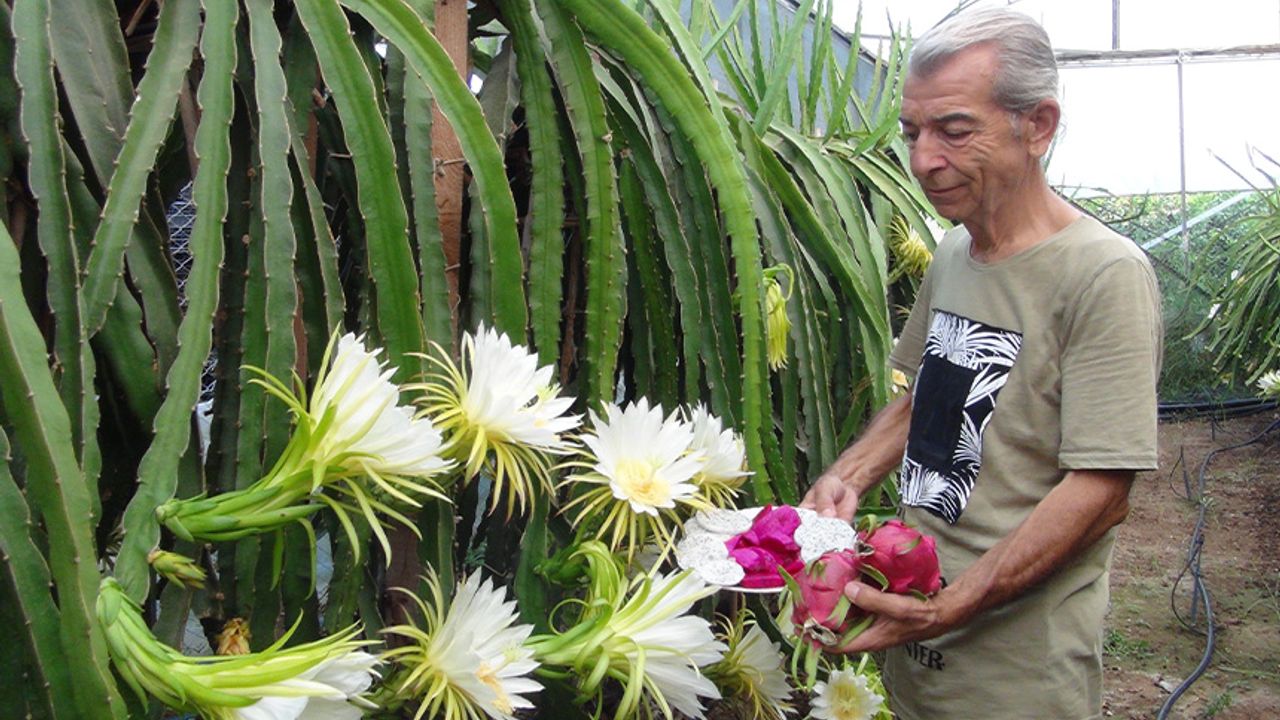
832	497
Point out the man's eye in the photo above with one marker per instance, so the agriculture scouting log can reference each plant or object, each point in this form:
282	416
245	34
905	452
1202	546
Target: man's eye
957	134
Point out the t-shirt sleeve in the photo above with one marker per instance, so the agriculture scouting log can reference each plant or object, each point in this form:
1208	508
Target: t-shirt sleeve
1110	364
910	346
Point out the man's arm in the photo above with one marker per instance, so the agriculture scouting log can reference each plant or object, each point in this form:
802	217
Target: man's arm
1071	518
864	463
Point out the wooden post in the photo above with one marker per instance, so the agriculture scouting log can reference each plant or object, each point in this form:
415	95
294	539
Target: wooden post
406	565
451	31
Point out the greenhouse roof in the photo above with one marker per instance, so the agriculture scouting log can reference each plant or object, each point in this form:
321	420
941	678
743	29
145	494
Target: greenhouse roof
1124	66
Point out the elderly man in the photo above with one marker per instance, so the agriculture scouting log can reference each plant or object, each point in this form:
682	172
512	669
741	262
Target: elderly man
1035	346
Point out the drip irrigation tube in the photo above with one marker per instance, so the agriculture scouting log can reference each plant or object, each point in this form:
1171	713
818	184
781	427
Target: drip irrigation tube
1220	408
1200	592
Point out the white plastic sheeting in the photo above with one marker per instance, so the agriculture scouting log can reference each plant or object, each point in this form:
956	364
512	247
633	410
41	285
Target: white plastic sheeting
1121	132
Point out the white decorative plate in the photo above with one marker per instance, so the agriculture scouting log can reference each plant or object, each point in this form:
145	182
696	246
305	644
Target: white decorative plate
703	547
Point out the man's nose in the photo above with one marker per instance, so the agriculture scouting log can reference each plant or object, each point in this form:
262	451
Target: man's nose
926	156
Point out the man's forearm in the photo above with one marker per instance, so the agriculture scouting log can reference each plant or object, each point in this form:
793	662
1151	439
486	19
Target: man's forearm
878	450
1069	520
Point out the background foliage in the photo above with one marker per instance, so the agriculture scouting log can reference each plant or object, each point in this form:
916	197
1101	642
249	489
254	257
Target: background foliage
1191	280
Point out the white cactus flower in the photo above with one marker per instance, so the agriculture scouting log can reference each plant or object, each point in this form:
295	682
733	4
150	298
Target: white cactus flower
753	672
500	406
639	467
724	456
1269	384
469	659
846	695
649	641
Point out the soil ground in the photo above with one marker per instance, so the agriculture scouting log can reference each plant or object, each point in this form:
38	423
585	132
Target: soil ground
1148	650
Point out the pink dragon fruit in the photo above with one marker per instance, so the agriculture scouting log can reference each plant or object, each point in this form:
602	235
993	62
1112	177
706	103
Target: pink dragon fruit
907	558
768	545
820	610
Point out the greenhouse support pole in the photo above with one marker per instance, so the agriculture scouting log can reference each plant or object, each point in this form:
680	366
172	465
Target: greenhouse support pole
1115	24
1182	162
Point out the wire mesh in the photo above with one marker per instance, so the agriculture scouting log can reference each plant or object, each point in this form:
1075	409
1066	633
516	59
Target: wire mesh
181	218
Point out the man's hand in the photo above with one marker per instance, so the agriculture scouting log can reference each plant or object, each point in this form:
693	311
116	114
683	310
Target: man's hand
899	618
835	493
1072	517
832	497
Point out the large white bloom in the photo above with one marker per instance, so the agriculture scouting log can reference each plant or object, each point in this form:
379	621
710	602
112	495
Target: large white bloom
846	696
511	398
1269	384
639	466
752	670
724	455
499	407
671	643
330	690
354	448
645	458
650	642
468	660
371	431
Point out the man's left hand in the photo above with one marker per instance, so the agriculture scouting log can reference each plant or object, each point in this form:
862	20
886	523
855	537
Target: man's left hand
898	618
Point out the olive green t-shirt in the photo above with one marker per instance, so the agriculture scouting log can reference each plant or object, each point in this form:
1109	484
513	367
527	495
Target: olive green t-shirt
1025	368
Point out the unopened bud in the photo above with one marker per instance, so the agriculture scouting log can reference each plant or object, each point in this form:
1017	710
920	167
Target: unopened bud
776	324
234	638
177	569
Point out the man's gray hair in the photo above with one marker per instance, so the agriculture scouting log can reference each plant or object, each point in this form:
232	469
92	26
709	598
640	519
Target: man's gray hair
1028	71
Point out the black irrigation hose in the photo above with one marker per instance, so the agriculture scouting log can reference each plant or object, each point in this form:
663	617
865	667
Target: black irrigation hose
1199	590
1217	408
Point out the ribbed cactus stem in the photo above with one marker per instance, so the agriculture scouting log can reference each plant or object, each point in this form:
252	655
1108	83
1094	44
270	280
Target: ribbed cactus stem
625	33
55	486
152	113
403	28
157	473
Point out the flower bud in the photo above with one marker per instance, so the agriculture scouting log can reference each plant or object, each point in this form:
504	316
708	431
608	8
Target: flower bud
177	569
234	638
911	255
776	324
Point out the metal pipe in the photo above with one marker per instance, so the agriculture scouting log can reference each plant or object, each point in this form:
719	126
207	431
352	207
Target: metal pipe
1182	165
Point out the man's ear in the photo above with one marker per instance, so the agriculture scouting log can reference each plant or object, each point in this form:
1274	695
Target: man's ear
1040	125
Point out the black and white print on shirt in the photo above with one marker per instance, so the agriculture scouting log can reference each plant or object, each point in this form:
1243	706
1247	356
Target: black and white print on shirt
964	366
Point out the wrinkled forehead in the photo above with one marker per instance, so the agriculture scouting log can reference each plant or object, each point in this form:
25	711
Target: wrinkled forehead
964	83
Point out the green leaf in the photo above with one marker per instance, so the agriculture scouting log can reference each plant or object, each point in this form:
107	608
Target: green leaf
545	221
784	57
624	32
27	572
605	254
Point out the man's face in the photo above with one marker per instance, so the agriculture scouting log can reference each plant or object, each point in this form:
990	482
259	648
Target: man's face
964	149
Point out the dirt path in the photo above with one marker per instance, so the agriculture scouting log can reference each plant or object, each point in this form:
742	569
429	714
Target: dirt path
1149	652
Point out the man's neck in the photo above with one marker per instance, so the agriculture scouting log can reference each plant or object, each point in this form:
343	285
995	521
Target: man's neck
1019	224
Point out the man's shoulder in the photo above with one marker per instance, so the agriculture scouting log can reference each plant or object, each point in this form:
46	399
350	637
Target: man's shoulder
1089	250
1090	238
